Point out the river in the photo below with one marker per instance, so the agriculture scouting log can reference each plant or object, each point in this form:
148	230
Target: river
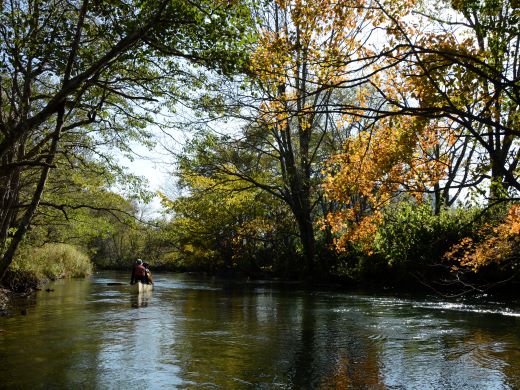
204	333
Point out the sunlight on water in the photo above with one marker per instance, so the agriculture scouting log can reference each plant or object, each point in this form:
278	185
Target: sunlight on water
469	308
194	333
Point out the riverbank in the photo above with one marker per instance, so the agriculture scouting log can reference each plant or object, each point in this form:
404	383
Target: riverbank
33	268
23	284
403	284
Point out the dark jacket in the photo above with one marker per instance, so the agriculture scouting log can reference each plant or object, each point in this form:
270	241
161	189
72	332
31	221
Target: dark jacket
138	274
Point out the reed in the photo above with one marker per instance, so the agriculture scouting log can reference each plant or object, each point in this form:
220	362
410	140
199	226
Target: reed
34	266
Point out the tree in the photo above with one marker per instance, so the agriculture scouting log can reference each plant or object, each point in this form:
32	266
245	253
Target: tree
221	222
376	167
445	104
497	243
304	52
97	70
76	206
465	74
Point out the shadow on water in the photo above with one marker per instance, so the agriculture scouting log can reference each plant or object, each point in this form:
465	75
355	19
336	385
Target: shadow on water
194	333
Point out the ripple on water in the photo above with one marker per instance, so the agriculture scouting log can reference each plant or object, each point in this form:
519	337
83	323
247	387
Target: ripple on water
487	358
394	304
259	338
468	308
215	333
378	337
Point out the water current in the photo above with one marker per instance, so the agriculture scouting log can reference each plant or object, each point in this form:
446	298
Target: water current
204	333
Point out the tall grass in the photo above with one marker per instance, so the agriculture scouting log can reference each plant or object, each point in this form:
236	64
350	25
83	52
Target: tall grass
33	266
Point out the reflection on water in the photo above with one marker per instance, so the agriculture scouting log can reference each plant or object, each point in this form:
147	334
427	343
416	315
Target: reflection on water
195	333
141	299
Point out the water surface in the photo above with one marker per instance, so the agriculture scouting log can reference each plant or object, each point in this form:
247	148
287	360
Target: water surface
197	333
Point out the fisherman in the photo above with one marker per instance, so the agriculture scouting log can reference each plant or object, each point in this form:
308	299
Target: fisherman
138	272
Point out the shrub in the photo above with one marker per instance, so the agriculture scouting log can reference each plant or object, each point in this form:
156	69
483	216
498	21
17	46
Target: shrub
412	237
497	243
35	265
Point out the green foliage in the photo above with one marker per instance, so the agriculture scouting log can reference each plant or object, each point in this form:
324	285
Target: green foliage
412	236
34	265
77	207
111	68
222	221
125	242
357	266
412	240
226	228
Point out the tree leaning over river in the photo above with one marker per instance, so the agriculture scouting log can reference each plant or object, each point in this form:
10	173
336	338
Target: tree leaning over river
96	72
418	127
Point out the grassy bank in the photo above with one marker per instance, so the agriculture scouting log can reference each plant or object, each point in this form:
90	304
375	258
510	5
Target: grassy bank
35	266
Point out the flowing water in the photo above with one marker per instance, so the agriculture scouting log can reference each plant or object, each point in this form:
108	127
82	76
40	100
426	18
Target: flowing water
196	333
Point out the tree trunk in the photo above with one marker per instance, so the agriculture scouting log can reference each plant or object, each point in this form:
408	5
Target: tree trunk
21	229
302	213
309	244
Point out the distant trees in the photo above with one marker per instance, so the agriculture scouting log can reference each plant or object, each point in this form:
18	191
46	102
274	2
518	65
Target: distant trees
221	222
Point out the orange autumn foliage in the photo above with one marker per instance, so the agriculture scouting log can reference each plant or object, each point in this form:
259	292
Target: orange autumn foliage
374	169
315	46
498	244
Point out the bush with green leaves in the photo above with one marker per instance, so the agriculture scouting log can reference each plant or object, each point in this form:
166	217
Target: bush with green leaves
411	237
36	265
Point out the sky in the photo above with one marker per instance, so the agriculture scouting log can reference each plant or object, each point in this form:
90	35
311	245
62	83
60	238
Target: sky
156	166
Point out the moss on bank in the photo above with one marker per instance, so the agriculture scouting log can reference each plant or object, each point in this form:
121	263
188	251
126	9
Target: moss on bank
35	266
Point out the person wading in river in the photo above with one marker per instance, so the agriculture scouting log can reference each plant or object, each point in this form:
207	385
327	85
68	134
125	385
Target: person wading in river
138	272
